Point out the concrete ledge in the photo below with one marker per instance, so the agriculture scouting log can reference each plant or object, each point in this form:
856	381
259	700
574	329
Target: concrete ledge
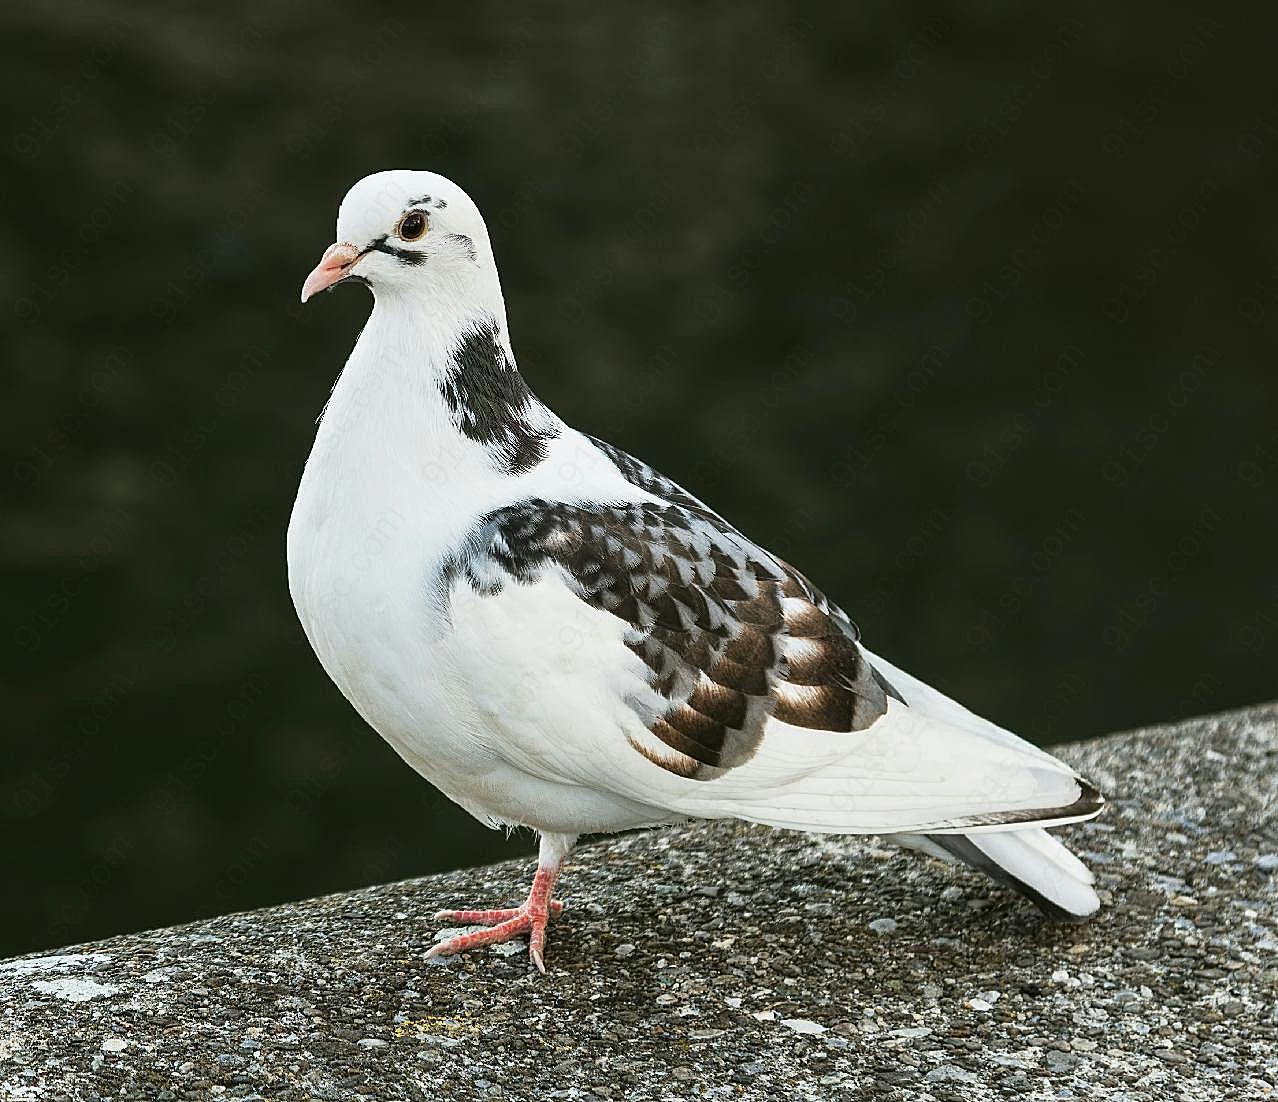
725	961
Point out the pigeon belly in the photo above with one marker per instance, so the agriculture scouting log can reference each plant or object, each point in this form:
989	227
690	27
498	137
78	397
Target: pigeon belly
472	691
356	568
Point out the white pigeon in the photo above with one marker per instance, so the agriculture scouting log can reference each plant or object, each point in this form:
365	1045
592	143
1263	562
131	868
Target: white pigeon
557	636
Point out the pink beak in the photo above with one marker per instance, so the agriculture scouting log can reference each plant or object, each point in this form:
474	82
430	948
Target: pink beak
334	266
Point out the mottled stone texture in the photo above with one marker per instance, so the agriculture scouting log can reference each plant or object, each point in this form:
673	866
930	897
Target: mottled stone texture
725	961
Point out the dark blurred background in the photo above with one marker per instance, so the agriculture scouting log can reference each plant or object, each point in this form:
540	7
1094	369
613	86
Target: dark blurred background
969	310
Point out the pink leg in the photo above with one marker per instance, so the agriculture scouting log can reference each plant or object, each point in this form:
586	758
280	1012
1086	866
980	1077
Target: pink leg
508	923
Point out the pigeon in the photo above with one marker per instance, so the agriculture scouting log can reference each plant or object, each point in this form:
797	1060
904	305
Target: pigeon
559	637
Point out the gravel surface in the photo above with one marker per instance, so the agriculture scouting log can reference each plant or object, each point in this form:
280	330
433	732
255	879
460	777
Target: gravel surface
725	961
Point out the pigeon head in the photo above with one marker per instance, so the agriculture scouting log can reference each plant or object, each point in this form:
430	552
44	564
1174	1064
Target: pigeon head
408	233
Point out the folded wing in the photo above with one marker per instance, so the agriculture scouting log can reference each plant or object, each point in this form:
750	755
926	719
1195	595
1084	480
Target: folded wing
748	693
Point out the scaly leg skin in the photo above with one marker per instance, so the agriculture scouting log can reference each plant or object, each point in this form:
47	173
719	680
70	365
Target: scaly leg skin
508	923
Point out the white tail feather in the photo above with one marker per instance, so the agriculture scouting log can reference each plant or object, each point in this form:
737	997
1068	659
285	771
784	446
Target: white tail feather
1056	851
1032	857
1042	863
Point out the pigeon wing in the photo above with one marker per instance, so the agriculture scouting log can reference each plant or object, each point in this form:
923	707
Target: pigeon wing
747	692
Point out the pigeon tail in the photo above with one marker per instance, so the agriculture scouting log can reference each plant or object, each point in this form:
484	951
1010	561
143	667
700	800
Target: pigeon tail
1032	862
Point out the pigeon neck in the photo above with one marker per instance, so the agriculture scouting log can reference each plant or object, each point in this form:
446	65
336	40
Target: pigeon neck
438	380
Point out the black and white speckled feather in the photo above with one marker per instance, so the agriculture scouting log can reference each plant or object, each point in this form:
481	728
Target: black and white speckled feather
640	474
730	635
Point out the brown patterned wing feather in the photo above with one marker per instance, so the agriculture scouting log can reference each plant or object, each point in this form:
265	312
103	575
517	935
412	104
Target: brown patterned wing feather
730	635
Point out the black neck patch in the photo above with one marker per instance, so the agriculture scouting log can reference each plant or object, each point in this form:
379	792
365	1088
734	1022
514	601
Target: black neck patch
491	404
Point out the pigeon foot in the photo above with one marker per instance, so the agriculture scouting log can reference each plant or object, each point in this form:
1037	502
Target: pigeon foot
506	924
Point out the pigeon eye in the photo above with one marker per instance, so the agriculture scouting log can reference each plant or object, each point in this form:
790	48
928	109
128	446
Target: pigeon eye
411	226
